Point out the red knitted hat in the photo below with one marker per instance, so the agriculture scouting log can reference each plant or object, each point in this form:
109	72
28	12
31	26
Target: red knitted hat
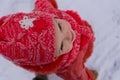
28	39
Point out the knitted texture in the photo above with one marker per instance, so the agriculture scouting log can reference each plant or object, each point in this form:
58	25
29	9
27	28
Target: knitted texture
27	39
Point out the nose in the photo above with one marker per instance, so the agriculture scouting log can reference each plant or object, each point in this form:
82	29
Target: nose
68	36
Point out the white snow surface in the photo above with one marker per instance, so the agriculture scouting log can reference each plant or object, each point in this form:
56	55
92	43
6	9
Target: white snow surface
103	15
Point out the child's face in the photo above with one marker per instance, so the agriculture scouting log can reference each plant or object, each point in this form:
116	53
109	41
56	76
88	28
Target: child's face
64	37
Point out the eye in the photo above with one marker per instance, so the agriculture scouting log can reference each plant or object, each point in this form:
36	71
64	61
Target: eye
60	27
61	47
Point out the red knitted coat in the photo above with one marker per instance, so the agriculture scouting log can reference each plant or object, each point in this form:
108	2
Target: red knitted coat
27	39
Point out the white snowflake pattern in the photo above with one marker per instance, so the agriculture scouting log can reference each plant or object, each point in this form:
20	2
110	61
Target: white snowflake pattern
26	23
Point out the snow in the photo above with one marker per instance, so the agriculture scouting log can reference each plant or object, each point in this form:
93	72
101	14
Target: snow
103	15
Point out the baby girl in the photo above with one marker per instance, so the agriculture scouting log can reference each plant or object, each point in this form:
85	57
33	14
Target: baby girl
48	40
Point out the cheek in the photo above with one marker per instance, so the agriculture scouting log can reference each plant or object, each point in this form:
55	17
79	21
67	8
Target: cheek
68	46
65	26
